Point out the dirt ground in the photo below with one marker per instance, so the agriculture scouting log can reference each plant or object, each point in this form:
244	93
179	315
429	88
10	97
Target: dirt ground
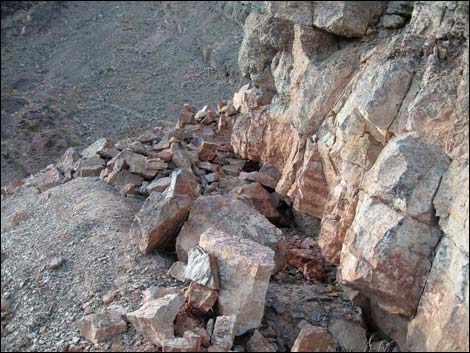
76	71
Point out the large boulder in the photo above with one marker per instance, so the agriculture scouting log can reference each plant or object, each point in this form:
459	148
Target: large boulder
162	215
245	269
233	216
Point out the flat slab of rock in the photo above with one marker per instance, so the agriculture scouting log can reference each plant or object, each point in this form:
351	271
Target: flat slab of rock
245	268
314	339
234	217
162	215
155	319
99	327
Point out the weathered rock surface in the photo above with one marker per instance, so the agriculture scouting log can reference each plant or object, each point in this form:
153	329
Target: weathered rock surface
245	269
155	319
162	215
234	217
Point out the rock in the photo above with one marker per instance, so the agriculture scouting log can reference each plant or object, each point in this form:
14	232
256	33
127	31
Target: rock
162	215
224	331
345	18
228	183
177	271
257	343
210	327
97	147
393	21
260	199
234	217
207	150
262	178
155	319
49	178
19	217
155	292
202	268
56	262
158	185
349	335
313	270
99	327
395	211
122	178
91	166
245	269
314	339
187	116
200	299
184	323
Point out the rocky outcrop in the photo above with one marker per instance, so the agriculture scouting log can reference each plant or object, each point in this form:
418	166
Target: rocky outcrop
363	136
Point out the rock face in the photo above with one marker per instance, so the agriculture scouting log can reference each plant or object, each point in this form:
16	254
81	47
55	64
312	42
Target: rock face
371	146
162	215
245	269
232	216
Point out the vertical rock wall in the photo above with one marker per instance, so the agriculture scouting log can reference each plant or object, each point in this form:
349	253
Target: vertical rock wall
363	108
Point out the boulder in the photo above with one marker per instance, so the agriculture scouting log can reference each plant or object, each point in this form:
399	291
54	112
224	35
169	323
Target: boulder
224	332
99	327
345	18
245	268
162	214
234	217
200	299
314	339
202	268
155	319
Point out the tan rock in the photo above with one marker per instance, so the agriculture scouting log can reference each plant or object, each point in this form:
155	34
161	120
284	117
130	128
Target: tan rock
224	331
205	337
234	217
314	339
260	198
245	268
216	348
56	262
155	319
159	221
257	343
180	344
99	327
200	299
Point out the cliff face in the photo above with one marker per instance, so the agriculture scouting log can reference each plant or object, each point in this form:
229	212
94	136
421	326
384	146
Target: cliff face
363	108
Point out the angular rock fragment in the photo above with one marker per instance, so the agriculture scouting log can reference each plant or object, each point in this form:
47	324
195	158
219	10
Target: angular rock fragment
155	319
224	331
202	268
159	221
314	339
135	163
99	327
200	299
257	343
245	268
234	217
260	199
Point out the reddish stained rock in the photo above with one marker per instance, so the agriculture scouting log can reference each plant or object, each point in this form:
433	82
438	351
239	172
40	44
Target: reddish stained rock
260	198
200	299
99	327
